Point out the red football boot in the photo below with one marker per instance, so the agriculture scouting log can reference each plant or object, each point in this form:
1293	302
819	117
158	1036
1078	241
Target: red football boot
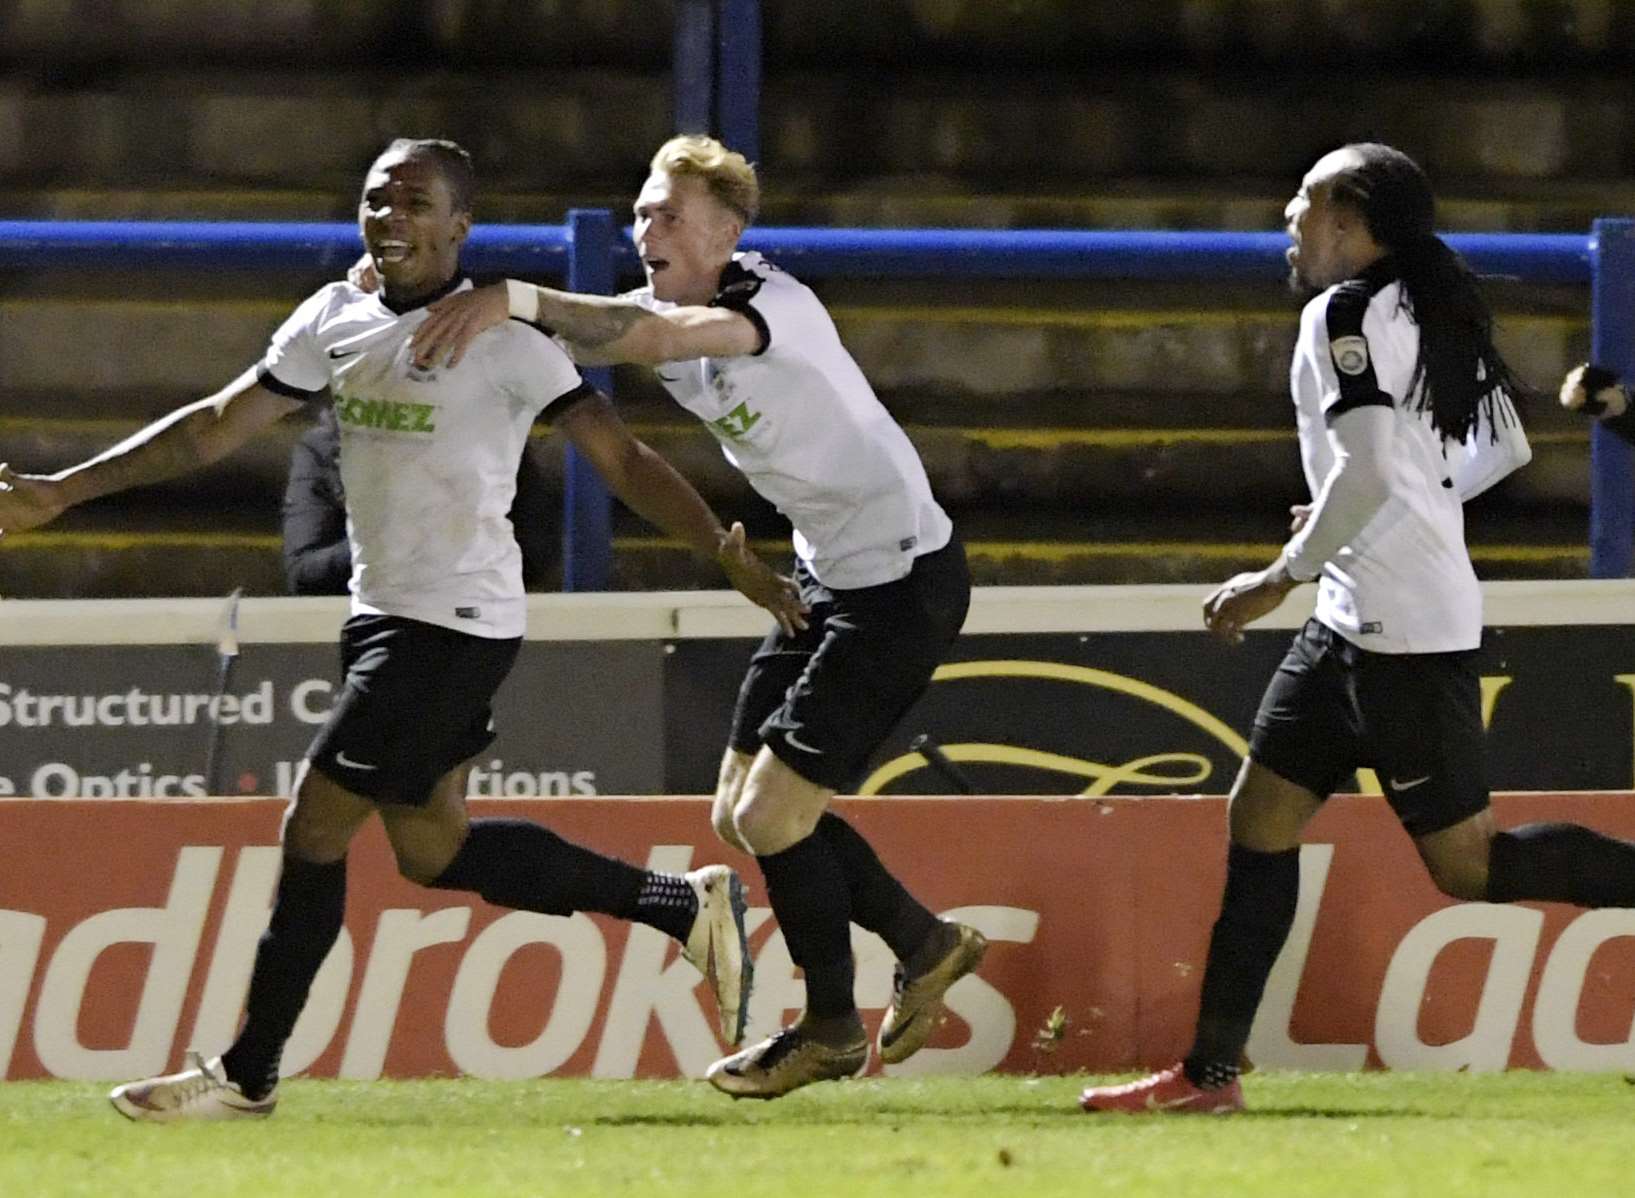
1166	1092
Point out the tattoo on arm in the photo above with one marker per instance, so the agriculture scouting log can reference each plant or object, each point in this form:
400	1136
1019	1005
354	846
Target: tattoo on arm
589	320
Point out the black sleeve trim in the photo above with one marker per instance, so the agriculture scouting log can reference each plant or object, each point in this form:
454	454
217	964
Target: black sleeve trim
744	308
278	386
568	399
1349	353
738	288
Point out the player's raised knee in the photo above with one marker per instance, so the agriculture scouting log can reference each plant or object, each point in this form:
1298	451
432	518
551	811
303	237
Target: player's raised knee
765	827
726	829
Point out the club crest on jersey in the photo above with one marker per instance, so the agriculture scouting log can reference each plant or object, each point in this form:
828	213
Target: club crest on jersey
1350	354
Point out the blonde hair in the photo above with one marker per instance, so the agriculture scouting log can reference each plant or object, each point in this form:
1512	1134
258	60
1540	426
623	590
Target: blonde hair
729	176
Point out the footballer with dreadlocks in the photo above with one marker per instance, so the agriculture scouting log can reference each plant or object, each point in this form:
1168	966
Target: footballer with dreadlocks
1404	410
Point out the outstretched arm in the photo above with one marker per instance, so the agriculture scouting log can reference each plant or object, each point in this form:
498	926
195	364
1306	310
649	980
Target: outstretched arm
598	328
653	489
192	436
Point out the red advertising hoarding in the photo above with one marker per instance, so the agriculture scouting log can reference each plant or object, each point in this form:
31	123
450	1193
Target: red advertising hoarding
127	930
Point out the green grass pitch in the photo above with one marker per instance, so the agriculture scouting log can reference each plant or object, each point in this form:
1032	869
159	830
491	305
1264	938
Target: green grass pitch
1376	1134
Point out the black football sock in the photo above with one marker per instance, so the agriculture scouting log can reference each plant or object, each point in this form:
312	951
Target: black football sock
519	864
1257	910
667	902
308	908
807	890
1561	863
879	902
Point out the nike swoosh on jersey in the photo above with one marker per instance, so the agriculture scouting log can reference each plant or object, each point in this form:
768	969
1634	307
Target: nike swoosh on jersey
1410	783
664	378
342	759
344	353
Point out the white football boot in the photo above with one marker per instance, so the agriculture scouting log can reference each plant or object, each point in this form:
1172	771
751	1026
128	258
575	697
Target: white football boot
200	1092
718	946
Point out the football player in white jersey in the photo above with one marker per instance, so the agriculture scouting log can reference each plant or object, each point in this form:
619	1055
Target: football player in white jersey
751	351
429	458
1404	412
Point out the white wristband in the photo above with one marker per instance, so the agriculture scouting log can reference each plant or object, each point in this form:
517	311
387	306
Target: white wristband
523	300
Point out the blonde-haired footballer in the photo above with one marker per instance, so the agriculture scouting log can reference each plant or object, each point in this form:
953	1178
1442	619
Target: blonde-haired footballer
751	352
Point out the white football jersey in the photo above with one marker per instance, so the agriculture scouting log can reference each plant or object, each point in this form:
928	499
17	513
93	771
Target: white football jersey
1405	583
428	457
803	425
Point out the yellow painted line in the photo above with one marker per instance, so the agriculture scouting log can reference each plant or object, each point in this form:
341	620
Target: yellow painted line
995	438
140	540
1529	553
1124	318
46	424
1113	438
1037	438
164	307
1062	551
1085	318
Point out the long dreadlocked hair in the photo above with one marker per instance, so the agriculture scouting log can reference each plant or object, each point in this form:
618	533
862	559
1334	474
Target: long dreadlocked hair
1459	367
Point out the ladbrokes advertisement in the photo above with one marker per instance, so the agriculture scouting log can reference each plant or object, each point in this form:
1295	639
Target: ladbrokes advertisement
127	931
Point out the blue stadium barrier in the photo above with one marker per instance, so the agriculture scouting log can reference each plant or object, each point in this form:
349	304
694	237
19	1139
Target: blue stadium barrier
546	250
1605	260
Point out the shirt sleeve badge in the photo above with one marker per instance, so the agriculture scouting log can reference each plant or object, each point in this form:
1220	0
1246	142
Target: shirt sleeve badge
1350	354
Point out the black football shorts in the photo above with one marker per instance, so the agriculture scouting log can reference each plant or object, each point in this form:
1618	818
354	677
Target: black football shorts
416	702
826	698
1414	718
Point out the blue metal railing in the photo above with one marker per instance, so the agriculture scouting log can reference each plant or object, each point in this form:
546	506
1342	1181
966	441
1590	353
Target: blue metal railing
591	253
717	55
547	250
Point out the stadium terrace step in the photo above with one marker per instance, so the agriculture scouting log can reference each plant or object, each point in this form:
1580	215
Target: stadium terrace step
996	353
91	563
1205	32
822	130
915	200
87	563
322	129
255	474
972	468
1009	352
1060	127
140	32
298	33
1491	33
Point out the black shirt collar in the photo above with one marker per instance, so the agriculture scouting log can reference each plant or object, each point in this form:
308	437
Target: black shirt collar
429	298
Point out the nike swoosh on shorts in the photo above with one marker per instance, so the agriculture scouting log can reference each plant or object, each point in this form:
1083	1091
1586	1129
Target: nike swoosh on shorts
789	739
